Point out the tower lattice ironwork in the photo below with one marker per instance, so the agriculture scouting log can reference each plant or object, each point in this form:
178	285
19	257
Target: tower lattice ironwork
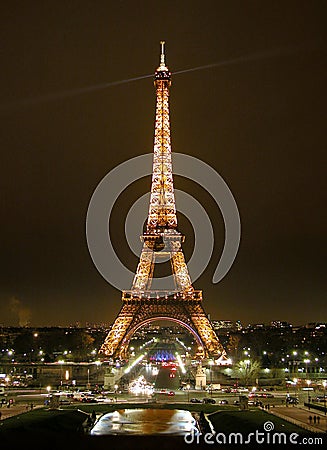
162	240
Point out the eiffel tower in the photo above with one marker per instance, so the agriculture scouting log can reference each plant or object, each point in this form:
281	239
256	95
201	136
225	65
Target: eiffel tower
161	241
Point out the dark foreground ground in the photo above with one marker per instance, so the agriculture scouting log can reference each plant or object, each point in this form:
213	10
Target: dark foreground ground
63	429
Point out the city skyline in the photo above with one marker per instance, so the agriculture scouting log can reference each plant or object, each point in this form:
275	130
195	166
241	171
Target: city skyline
259	123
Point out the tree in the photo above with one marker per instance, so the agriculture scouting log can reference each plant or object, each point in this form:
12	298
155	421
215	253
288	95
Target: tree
82	343
247	371
24	343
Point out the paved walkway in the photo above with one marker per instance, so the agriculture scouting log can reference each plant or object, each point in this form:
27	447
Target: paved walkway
300	415
14	410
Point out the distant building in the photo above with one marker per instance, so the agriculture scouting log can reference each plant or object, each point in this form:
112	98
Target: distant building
280	324
226	326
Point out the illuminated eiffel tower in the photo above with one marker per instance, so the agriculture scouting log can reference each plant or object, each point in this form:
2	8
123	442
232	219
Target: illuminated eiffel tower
161	241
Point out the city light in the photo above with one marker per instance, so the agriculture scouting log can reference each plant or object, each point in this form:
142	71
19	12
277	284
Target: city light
134	363
140	386
180	362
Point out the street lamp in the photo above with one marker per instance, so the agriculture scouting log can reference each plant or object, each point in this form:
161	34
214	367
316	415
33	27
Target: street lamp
61	362
98	364
211	363
295	383
308	383
247	364
116	388
188	392
324	383
88	378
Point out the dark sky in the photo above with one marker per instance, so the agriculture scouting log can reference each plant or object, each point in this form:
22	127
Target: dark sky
260	123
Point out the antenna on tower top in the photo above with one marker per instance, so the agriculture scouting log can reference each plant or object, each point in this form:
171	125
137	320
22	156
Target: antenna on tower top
162	72
162	54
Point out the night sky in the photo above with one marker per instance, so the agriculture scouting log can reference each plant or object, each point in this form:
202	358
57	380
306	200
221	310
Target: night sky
260	123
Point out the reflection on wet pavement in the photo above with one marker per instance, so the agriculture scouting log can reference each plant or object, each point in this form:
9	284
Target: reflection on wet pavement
145	422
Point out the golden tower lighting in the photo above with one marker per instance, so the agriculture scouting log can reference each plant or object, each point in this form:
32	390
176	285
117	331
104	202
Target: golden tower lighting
182	303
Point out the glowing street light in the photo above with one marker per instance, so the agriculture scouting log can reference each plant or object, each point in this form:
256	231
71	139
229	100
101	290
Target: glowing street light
306	362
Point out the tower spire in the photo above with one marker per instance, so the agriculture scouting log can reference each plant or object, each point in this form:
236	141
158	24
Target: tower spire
162	55
162	71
